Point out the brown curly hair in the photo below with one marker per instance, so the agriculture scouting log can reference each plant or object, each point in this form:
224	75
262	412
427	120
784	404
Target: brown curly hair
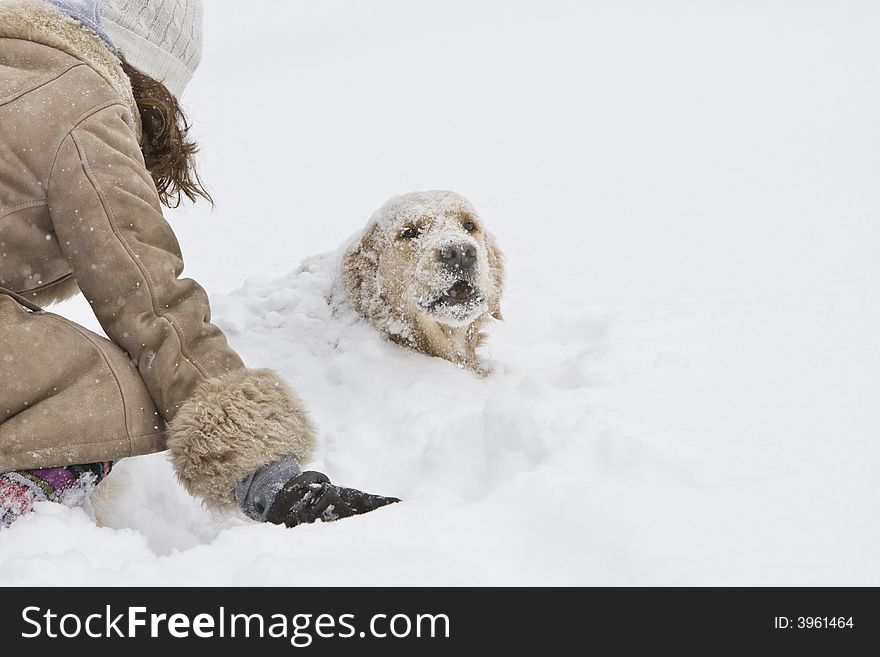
168	153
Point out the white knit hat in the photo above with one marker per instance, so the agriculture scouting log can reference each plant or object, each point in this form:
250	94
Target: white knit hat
161	38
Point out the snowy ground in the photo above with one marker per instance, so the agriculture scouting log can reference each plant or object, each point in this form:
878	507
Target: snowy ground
687	197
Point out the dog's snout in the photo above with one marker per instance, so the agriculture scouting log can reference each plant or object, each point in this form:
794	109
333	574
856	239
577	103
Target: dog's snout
459	256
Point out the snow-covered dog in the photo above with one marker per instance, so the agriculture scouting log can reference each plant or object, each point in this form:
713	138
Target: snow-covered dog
427	273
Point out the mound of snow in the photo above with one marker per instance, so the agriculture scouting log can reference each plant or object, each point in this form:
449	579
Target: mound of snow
393	421
615	446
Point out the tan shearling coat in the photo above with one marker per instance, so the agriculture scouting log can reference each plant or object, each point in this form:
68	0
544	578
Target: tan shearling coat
79	211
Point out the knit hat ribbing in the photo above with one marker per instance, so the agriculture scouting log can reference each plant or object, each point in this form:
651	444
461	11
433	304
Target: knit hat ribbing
86	13
161	38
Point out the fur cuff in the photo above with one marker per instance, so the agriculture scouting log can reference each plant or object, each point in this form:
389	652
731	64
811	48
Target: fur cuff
233	425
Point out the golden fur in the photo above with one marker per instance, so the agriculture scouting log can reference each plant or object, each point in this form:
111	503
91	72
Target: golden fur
395	281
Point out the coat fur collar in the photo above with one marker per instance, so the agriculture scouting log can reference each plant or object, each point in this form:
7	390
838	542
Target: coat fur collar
34	20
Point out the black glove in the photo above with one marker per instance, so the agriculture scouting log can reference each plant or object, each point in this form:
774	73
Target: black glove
310	496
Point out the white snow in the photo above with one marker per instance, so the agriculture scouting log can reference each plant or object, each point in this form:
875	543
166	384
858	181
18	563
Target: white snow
687	196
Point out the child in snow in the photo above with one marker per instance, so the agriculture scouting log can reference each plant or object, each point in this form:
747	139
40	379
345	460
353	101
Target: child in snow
92	143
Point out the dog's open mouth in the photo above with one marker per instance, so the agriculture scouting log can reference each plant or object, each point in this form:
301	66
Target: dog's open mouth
458	304
460	292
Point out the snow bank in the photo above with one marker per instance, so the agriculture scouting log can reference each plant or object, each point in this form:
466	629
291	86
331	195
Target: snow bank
673	443
454	446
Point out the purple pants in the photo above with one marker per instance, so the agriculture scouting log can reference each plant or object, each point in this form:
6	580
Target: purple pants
70	485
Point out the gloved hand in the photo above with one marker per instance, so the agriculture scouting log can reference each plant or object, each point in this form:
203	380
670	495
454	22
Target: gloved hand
310	496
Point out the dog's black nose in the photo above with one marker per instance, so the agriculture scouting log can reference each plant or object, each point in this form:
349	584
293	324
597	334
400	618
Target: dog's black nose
458	256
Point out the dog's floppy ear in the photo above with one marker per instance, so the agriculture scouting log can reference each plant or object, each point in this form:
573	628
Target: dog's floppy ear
360	266
496	271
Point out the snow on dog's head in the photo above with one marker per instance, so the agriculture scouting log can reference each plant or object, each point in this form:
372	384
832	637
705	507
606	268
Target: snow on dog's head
426	271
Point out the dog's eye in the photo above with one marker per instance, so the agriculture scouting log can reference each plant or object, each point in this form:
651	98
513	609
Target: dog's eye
410	233
469	226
